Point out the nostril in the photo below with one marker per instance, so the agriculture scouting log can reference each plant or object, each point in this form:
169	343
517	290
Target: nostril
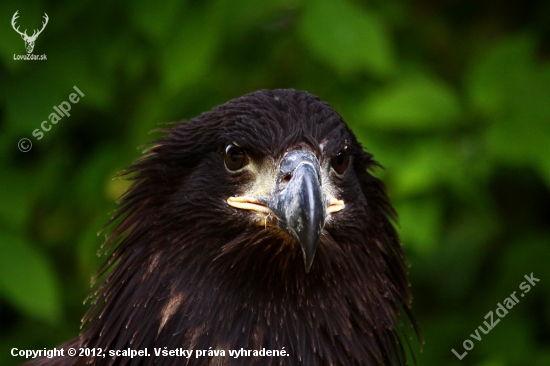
287	178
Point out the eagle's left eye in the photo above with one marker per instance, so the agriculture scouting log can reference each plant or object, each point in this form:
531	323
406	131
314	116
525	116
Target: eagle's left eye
235	157
340	161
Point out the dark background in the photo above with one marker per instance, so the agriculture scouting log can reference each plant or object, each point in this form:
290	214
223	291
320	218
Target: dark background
452	97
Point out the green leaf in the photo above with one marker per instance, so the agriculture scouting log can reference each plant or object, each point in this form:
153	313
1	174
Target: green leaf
420	168
246	16
513	92
160	26
496	74
16	195
27	279
420	223
521	134
413	103
348	37
507	86
190	52
23	117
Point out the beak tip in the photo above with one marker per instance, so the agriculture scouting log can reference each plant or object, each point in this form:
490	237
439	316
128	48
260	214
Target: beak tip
308	252
308	264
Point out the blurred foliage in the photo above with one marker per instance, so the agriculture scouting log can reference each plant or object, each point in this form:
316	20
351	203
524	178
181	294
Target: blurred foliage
452	97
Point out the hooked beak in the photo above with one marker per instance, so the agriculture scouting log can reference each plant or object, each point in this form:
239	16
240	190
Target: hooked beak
298	203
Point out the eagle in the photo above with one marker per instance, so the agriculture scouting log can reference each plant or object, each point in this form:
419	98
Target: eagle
253	234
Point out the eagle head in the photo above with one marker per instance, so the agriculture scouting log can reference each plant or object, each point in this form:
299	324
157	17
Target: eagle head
254	225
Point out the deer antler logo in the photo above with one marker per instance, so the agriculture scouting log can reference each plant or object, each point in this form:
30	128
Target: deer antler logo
29	41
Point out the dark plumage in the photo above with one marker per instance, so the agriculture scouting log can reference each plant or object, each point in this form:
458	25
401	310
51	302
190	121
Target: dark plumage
238	232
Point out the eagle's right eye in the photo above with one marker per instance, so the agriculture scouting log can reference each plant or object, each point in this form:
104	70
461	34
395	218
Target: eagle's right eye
340	161
235	157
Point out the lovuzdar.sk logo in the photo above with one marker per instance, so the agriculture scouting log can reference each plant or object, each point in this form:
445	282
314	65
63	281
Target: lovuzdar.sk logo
29	40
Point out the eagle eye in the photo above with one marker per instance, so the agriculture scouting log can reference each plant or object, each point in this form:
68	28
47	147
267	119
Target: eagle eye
235	157
340	161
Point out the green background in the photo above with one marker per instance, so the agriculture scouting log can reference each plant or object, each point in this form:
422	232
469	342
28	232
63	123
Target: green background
452	97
